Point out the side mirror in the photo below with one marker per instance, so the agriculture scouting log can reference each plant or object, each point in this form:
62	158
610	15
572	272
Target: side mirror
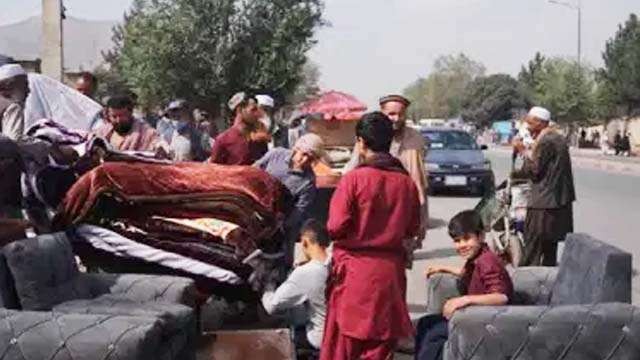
484	147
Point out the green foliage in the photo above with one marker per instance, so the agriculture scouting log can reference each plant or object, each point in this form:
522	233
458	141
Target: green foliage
206	50
621	75
440	94
565	87
492	98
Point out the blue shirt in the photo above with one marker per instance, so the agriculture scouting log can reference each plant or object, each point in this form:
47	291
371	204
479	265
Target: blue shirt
301	184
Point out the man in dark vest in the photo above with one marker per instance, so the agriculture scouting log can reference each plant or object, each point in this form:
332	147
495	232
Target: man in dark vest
550	209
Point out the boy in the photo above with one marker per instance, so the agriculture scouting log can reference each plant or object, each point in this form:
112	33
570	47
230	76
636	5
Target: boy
305	287
484	279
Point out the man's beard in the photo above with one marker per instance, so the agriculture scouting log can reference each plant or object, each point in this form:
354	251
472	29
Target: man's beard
122	129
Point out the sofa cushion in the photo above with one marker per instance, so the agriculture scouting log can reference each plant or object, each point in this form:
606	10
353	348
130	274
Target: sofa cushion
45	272
592	272
178	322
45	335
174	317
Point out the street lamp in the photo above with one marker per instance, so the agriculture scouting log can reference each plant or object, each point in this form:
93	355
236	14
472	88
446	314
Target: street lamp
578	7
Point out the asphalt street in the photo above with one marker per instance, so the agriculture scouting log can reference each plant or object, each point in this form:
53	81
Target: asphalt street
607	208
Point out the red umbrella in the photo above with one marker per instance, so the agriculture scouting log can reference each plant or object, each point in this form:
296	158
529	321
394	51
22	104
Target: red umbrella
335	105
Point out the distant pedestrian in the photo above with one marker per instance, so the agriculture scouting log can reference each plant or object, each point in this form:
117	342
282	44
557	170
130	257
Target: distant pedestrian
550	209
625	145
617	143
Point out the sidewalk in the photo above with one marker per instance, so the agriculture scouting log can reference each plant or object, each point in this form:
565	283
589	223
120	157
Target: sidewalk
594	159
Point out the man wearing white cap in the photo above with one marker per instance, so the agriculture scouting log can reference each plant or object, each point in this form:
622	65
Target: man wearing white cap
550	208
14	89
293	169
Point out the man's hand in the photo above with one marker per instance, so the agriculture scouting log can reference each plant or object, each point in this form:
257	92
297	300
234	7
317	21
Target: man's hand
434	270
442	269
162	154
518	145
453	305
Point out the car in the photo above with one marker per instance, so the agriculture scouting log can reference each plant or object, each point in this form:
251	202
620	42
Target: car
454	160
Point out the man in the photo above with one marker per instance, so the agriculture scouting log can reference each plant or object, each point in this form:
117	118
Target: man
550	209
168	124
86	84
304	289
14	89
373	210
408	146
185	140
266	105
126	133
293	169
235	146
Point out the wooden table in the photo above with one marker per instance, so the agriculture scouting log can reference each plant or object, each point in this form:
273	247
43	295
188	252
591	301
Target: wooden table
267	344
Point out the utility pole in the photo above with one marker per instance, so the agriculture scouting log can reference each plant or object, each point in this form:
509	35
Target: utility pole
577	6
52	39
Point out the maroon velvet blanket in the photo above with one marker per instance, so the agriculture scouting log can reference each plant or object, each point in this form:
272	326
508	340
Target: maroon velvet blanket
155	185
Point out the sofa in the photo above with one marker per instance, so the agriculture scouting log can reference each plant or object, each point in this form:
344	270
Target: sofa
578	310
51	310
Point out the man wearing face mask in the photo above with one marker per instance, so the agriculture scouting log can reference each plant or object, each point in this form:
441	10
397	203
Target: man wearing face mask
408	146
14	89
185	140
126	133
293	169
550	209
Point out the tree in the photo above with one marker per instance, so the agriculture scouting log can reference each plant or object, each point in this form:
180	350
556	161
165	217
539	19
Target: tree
204	51
566	88
492	98
621	74
440	94
529	77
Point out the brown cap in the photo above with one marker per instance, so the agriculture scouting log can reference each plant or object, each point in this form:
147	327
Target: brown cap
396	98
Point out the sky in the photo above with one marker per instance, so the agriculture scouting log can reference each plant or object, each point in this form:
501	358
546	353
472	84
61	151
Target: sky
374	47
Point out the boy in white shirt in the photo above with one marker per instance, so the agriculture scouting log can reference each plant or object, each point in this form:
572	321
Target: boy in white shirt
305	286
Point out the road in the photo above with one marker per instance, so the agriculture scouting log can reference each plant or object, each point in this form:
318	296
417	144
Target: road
608	206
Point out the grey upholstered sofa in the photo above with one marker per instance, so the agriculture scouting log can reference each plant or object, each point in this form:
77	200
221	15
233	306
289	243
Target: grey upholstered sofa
579	310
53	311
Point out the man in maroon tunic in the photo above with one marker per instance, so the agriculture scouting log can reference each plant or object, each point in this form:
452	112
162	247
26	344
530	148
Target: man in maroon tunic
236	146
374	210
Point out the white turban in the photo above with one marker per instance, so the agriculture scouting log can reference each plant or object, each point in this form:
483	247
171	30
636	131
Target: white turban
9	71
540	113
265	100
310	143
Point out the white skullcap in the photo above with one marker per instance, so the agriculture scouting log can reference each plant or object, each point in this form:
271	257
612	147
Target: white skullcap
310	143
540	113
9	71
265	100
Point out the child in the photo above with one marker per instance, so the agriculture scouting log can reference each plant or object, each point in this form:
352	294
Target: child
484	279
305	287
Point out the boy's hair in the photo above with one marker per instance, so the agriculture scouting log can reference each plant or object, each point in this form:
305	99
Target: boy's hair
376	129
465	222
316	232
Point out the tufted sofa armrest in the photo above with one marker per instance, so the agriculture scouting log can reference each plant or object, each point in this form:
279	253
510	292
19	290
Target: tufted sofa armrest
533	285
48	335
440	288
142	288
602	331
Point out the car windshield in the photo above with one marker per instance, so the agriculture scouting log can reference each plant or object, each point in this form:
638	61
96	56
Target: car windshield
449	140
